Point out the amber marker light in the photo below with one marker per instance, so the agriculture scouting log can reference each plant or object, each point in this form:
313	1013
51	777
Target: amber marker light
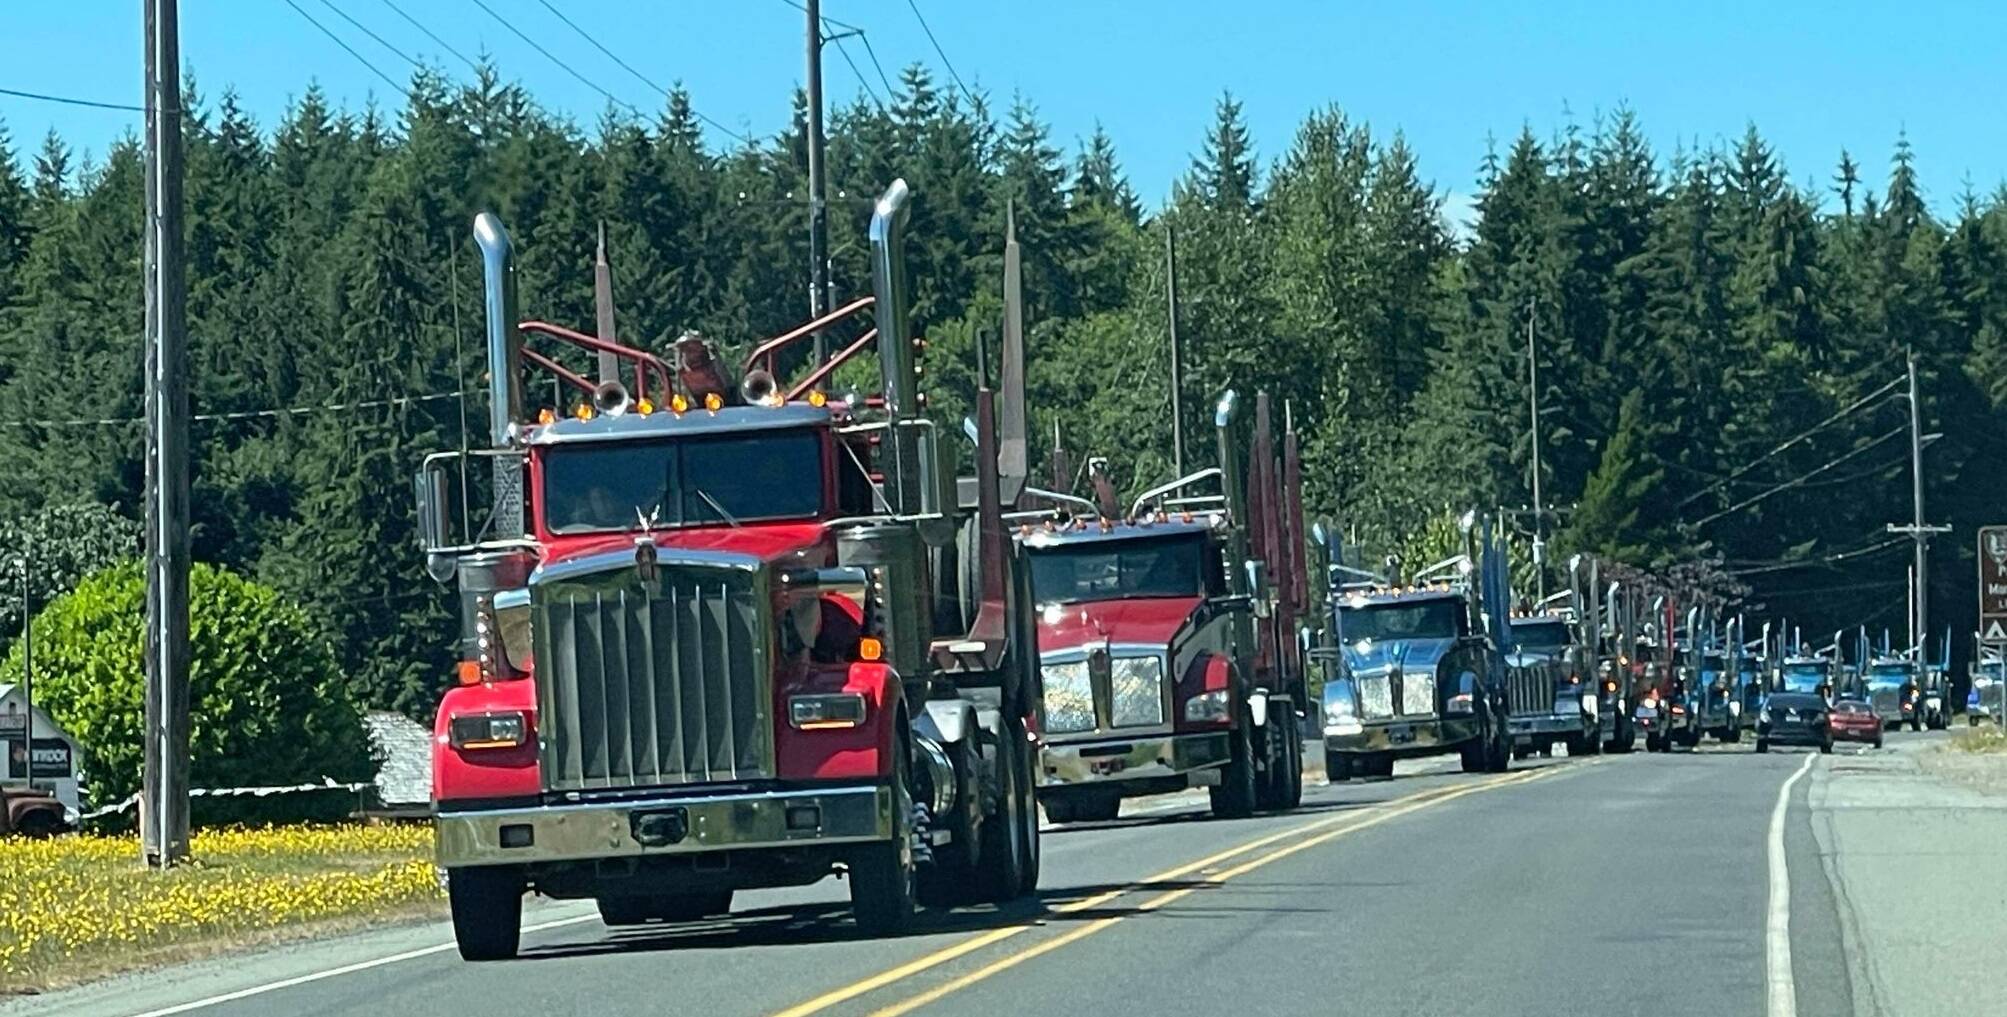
869	648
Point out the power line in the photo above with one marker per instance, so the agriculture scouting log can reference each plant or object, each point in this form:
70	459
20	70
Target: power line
843	51
364	29
943	54
283	411
1828	422
1796	481
1838	556
443	44
587	36
363	60
67	101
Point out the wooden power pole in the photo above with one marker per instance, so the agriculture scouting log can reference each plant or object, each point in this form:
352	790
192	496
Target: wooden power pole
163	808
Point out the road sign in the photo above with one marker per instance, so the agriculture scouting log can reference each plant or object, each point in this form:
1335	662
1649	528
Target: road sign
1993	584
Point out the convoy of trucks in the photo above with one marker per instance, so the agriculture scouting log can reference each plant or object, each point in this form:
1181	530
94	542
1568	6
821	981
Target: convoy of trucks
723	631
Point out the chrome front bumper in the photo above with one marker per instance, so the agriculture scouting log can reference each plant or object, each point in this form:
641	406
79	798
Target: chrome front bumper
1416	735
1106	760
587	831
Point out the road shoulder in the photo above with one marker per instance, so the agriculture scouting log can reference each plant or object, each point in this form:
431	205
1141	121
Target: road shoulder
1911	863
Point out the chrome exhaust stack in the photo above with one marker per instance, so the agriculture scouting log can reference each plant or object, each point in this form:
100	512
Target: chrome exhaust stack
505	343
505	354
912	474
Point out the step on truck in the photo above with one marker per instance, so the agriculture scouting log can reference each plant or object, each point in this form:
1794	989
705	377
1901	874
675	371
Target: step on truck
1168	636
1417	668
728	633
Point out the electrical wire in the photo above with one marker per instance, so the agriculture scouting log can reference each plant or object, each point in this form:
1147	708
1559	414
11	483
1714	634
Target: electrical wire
339	41
67	101
844	52
364	29
443	44
943	54
1789	484
1838	556
283	411
596	44
872	55
1822	425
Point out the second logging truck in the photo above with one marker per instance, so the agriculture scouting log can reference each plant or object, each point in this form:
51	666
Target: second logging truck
721	635
1168	636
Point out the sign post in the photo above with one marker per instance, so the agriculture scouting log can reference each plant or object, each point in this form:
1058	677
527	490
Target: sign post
1993	598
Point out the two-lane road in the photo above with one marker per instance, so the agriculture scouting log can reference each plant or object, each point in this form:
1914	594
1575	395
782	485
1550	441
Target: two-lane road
1612	885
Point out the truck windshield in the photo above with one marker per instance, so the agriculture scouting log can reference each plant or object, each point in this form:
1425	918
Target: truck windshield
694	481
1118	569
1887	676
1427	619
1541	635
1804	677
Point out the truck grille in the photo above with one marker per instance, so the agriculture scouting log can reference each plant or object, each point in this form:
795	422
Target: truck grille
1530	690
645	684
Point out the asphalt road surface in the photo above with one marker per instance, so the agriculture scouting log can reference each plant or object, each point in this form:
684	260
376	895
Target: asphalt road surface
1641	884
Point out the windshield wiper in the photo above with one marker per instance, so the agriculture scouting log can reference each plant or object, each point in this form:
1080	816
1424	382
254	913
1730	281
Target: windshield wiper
715	507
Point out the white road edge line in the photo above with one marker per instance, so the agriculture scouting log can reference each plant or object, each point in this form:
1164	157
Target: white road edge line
346	969
1782	991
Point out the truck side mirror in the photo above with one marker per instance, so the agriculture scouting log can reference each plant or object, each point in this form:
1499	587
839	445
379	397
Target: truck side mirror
430	491
1257	585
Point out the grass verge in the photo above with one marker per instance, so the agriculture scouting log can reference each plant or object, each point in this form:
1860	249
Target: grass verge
80	907
1986	739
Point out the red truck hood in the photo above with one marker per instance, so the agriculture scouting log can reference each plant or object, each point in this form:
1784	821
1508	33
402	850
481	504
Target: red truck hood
767	542
1151	620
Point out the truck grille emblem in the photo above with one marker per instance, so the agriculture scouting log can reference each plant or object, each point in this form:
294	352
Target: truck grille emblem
645	558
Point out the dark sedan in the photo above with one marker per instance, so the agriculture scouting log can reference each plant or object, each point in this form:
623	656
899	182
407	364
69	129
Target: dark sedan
1794	718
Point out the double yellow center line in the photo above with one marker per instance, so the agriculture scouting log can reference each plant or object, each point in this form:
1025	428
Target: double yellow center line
1344	824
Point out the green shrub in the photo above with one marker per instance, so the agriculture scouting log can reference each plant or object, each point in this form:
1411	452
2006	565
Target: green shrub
268	704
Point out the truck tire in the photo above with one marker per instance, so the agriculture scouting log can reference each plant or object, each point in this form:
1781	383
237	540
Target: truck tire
487	906
1500	759
667	907
1623	735
1826	747
883	887
1762	744
38	823
1732	735
1001	876
1472	756
1916	721
1234	796
1293	797
1027	790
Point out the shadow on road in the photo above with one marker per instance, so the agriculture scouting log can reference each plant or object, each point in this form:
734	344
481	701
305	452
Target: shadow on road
831	922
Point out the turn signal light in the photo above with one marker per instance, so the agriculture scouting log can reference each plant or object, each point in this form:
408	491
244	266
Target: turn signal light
827	711
817	399
489	730
677	404
713	401
870	648
468	672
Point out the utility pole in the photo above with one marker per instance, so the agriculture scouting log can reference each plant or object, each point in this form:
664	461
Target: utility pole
1539	518
818	205
163	806
1919	618
1177	371
27	664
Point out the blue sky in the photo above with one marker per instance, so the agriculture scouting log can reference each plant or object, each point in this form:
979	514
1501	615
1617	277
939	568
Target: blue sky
1814	77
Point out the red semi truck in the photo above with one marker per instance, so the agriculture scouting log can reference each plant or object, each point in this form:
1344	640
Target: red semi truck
1169	637
721	635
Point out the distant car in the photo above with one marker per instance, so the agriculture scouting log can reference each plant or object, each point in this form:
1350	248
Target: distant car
1795	718
1854	721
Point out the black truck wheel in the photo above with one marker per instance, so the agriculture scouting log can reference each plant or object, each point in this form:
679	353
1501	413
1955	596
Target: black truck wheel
1623	734
1500	757
1762	744
883	890
1001	872
1293	797
487	906
1473	755
1027	791
1234	796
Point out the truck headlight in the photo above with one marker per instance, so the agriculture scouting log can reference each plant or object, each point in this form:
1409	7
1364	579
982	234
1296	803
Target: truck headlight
824	711
1337	711
1069	697
1208	707
1136	691
488	730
